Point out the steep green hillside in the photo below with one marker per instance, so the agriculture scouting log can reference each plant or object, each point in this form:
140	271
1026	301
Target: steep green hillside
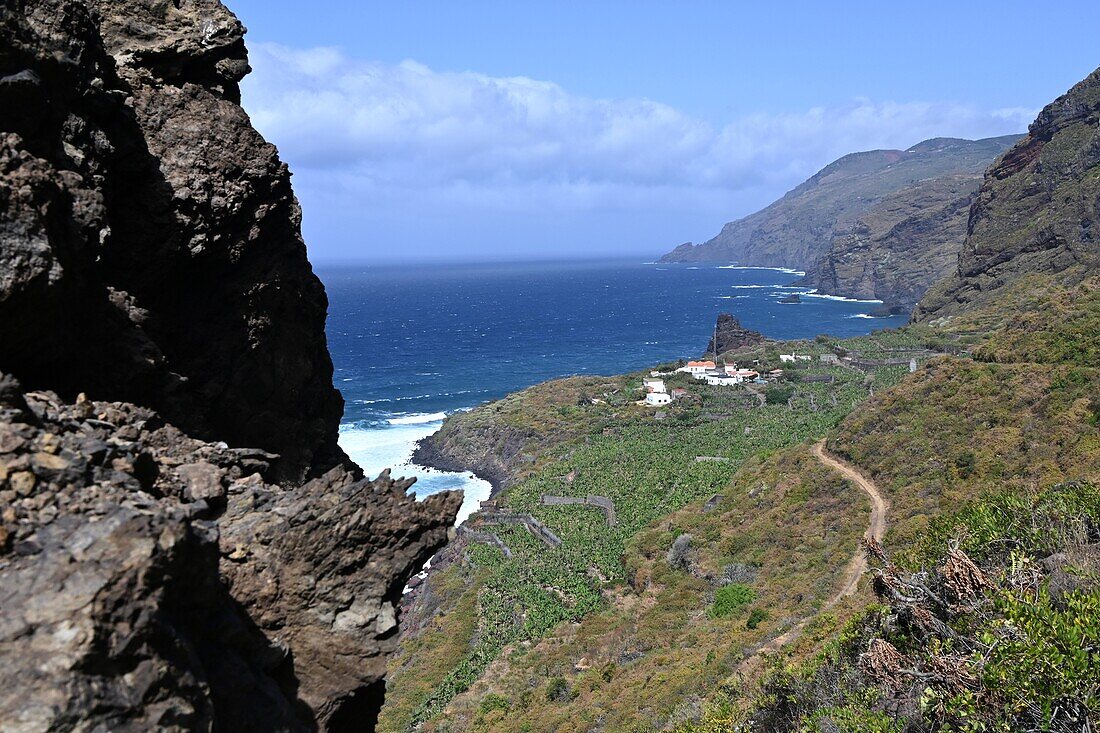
724	593
649	468
799	228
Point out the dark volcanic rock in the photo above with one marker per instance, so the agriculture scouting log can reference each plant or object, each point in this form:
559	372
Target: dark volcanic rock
731	335
1036	217
114	610
149	240
189	549
799	228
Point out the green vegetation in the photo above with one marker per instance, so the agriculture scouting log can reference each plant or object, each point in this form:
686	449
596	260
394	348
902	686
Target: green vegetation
729	599
778	395
1049	325
1009	643
606	630
756	617
958	427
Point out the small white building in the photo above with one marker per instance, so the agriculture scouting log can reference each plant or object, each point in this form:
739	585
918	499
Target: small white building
829	359
720	379
802	357
654	385
787	357
656	399
697	368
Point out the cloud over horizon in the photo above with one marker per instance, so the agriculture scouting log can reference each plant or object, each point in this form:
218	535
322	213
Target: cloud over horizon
410	141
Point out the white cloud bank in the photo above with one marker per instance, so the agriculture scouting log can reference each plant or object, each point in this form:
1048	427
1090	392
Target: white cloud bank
404	139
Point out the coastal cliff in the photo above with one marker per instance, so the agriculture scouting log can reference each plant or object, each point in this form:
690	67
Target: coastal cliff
183	545
1033	226
898	248
882	224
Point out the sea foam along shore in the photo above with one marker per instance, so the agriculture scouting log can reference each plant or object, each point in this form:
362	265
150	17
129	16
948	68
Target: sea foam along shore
389	444
788	270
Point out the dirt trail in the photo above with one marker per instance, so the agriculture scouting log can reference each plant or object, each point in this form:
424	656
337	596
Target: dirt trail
856	566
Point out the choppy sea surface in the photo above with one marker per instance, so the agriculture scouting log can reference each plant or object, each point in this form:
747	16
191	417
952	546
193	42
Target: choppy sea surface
414	343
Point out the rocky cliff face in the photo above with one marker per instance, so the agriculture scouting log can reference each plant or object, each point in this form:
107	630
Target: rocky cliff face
900	246
1036	216
186	547
151	245
796	230
731	335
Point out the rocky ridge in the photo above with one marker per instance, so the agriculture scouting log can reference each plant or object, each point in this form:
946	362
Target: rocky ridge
151	580
882	223
151	245
183	545
1035	218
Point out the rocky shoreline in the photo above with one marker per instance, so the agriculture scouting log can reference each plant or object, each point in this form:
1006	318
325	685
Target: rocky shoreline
435	452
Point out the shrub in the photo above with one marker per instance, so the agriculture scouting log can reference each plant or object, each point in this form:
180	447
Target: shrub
557	690
677	554
778	395
729	599
756	616
492	702
965	464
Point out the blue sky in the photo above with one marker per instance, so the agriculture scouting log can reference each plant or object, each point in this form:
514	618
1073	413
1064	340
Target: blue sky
476	130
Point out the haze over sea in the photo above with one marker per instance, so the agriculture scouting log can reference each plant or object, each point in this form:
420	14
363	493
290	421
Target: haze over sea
412	344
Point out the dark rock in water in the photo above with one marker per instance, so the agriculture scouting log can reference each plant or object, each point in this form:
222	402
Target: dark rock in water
189	549
792	298
732	335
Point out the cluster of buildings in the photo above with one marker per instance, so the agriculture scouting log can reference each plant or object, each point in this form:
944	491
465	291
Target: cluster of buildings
716	376
658	394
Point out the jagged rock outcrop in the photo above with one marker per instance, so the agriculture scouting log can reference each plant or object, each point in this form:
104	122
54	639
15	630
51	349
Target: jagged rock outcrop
731	335
186	548
150	248
1036	217
114	527
800	228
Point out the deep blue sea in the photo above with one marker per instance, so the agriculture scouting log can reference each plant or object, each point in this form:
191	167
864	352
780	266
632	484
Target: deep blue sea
414	343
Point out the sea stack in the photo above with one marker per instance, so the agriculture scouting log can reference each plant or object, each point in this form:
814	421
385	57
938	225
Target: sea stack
731	335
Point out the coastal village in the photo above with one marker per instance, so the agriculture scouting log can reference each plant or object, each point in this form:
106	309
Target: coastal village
731	374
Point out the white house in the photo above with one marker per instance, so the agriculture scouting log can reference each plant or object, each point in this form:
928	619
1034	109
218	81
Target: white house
656	399
786	357
720	379
697	368
653	385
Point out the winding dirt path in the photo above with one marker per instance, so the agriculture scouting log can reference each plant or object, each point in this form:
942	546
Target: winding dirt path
856	566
